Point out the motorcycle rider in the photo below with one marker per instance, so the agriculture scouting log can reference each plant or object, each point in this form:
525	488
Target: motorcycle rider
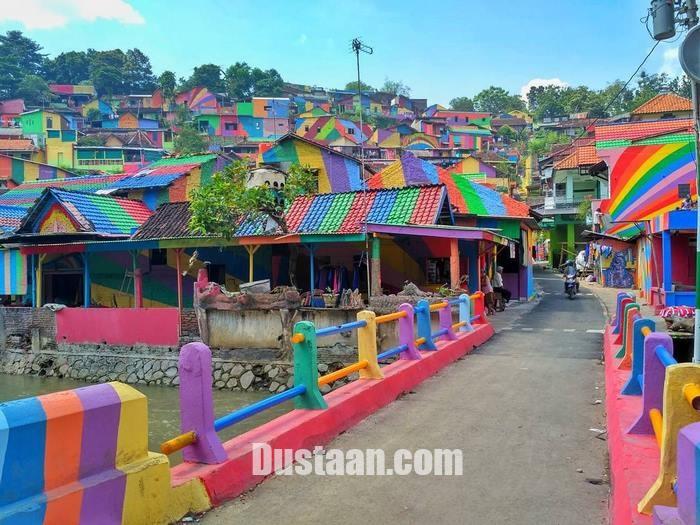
570	271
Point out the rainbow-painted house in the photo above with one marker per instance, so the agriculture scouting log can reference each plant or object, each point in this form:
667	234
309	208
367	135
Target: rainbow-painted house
110	277
475	205
651	165
336	171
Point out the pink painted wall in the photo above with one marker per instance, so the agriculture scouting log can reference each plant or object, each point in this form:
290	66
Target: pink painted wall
118	326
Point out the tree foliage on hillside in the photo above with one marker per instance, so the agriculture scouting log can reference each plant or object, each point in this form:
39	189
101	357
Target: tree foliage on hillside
462	104
554	101
218	207
352	86
395	87
497	100
244	81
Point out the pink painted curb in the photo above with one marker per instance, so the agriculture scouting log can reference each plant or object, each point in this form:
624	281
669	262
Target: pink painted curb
306	429
634	458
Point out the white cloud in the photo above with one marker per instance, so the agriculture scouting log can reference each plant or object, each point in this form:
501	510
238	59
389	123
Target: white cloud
525	89
302	39
670	64
50	14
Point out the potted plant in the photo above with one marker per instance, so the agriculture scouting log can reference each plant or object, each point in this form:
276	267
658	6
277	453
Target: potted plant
330	298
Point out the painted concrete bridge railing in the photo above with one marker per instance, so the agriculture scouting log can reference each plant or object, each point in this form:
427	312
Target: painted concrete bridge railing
669	411
197	412
80	456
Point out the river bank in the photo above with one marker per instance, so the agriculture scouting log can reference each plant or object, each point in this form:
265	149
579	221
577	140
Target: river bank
163	405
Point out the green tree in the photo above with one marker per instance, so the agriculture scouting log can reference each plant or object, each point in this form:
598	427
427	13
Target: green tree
395	87
107	71
19	56
546	101
94	115
138	75
352	86
71	67
497	100
507	133
239	81
207	75
462	104
218	207
243	81
167	82
34	90
189	141
107	80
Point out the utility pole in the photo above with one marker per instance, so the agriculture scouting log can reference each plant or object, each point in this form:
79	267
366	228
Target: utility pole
357	48
664	16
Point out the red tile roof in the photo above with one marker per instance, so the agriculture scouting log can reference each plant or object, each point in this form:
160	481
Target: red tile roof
581	156
16	145
642	129
664	103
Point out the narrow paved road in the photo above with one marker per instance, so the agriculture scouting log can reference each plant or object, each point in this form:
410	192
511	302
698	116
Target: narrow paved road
521	408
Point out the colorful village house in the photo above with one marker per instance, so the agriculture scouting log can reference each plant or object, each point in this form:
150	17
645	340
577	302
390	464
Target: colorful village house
20	148
651	164
476	206
337	133
336	171
170	179
15	171
10	110
52	232
571	185
52	132
119	150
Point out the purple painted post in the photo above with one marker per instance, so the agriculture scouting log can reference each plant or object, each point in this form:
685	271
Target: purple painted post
407	333
688	465
652	381
633	387
619	310
445	318
197	406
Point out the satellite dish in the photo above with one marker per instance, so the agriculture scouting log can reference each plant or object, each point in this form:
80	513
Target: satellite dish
689	54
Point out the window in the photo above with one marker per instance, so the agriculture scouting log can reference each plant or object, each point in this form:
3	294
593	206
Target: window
204	126
306	128
351	131
217	273
49	122
159	257
683	191
231	126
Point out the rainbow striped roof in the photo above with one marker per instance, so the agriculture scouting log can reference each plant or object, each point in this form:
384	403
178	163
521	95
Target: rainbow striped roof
101	214
346	213
26	194
466	196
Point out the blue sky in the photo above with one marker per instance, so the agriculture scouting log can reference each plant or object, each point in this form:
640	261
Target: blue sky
441	49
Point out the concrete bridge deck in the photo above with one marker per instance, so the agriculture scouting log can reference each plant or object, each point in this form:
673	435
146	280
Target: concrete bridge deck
521	408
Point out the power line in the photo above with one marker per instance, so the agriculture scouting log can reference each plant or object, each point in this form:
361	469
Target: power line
612	100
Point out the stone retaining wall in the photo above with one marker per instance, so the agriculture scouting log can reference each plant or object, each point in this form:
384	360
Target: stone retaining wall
150	366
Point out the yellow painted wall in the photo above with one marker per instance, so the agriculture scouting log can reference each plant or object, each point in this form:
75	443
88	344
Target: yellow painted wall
59	153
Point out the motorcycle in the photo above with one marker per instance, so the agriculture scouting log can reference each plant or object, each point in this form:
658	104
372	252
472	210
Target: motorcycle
571	286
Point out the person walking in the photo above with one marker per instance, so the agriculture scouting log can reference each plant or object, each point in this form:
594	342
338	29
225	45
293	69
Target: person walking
498	285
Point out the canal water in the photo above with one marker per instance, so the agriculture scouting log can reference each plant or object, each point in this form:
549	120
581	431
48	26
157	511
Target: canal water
163	405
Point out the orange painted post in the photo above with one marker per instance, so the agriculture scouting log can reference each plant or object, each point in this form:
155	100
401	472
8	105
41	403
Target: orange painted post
367	345
178	443
632	316
657	422
343	372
